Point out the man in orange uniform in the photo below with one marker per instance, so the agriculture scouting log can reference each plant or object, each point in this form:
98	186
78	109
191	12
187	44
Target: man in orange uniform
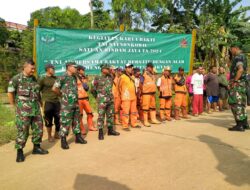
83	100
117	99
137	75
148	87
165	87
180	95
127	91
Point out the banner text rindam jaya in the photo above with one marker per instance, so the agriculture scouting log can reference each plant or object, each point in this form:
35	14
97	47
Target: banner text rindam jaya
91	48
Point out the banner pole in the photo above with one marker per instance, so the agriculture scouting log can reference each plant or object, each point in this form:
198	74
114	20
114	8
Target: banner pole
34	44
192	51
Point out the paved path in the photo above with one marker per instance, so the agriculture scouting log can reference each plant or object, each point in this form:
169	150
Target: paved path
196	154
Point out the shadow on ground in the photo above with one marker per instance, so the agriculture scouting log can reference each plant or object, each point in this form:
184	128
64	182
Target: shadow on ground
215	120
232	163
91	182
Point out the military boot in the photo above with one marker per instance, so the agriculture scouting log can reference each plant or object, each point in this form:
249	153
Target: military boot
100	135
79	139
238	127
38	150
64	143
112	132
245	124
20	157
145	119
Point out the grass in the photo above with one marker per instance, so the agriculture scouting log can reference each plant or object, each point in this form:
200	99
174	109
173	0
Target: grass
7	124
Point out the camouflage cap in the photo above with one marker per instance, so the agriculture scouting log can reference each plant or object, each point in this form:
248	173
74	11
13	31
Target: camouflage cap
105	66
113	67
71	64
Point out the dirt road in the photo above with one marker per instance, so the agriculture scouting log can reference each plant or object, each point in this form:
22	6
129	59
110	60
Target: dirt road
195	154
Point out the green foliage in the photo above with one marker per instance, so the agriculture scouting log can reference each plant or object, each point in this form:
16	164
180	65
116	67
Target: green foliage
7	124
57	18
4	34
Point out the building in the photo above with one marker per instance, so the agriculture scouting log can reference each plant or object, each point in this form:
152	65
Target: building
15	26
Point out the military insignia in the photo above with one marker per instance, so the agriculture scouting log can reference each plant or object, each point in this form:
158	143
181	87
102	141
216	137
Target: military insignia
184	43
48	38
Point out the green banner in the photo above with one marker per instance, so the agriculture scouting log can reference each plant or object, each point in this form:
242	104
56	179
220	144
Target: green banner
92	48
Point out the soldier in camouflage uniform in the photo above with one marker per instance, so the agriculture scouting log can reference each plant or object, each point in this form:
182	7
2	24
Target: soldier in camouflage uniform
237	93
23	92
102	91
66	86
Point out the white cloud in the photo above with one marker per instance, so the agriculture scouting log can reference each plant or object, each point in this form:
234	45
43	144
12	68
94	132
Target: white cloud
19	11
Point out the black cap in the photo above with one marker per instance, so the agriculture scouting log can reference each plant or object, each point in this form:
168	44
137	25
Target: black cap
181	69
80	67
49	66
150	64
71	64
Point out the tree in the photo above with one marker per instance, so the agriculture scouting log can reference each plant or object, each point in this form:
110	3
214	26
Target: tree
4	32
57	18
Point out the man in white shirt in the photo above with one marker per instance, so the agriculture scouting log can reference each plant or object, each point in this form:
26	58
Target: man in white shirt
197	82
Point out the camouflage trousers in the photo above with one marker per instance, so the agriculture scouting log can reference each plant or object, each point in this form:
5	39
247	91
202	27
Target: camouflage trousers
23	124
69	117
105	108
237	100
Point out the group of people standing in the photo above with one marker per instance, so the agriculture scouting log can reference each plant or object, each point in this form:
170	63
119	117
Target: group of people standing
125	96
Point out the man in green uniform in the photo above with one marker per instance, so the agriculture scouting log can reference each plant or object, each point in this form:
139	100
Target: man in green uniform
102	91
237	93
51	104
66	86
24	96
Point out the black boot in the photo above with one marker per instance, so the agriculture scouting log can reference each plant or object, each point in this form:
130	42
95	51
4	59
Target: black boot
112	132
20	157
101	136
238	127
79	139
38	150
64	143
245	124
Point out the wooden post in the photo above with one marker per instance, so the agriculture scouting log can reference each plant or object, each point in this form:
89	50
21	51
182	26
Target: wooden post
192	51
34	44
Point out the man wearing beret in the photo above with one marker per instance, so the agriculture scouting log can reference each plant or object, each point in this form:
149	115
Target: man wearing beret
51	103
66	86
237	93
24	96
102	91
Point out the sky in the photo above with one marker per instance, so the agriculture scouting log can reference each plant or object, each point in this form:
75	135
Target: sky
19	11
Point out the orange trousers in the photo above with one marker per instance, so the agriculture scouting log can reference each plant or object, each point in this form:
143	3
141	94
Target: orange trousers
84	105
165	106
117	104
129	111
180	100
148	102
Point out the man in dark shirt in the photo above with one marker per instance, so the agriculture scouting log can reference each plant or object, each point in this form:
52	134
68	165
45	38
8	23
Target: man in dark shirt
51	102
212	88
